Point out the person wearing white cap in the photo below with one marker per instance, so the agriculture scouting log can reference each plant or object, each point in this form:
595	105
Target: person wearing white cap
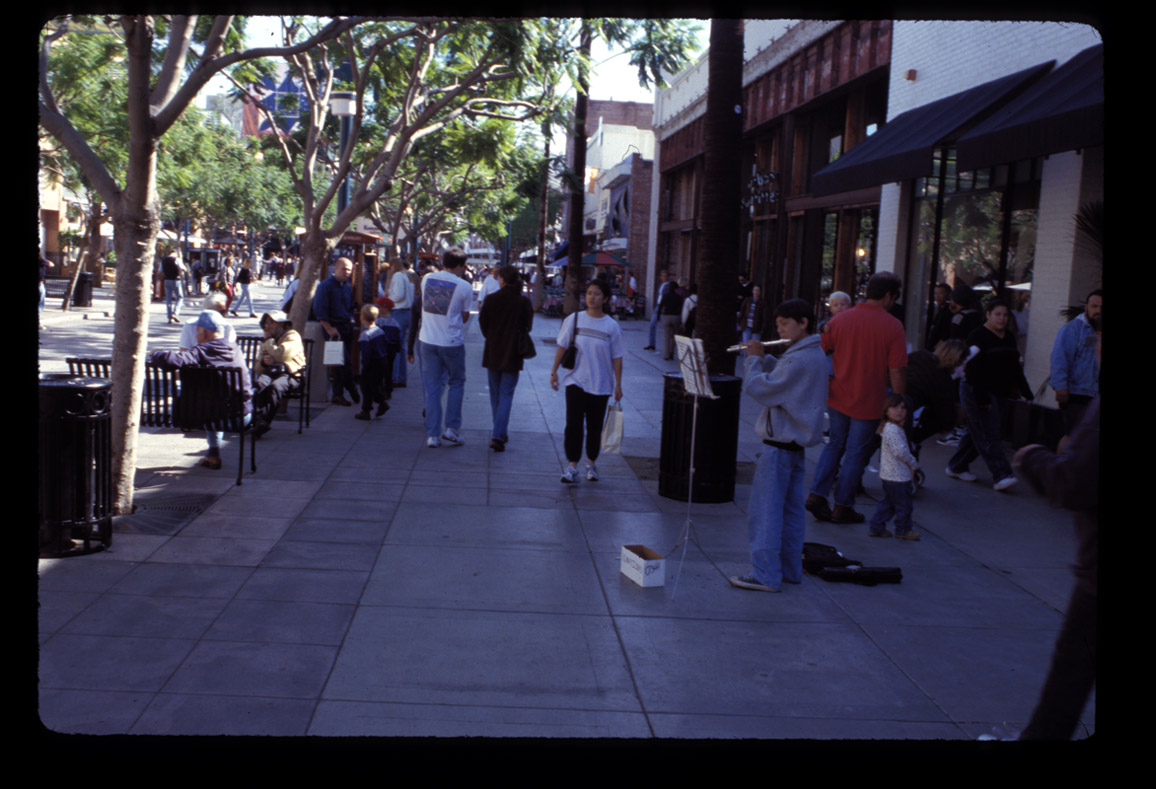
212	349
281	355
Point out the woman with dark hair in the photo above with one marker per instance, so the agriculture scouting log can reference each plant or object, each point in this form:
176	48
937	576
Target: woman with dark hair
597	372
504	315
992	374
932	387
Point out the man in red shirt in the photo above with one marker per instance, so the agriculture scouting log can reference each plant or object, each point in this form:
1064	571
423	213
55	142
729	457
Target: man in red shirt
869	352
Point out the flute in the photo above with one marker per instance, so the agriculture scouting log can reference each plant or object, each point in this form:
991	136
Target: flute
764	343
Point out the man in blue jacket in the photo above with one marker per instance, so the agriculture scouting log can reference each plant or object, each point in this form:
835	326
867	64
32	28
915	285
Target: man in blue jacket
333	308
212	349
1075	372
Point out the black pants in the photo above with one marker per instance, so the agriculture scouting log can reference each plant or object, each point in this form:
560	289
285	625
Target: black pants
341	377
591	409
376	380
1072	674
268	394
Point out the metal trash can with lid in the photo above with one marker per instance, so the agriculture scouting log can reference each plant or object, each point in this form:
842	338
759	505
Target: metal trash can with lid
82	294
715	446
75	464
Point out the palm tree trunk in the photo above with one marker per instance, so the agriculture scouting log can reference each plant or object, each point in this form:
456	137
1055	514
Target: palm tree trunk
575	282
719	250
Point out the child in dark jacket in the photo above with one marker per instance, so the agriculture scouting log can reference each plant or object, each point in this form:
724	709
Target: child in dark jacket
379	344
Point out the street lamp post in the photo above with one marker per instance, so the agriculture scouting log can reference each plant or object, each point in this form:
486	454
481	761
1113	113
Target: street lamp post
343	104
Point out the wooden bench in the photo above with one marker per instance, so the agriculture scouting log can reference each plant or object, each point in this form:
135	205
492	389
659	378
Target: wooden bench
251	346
186	398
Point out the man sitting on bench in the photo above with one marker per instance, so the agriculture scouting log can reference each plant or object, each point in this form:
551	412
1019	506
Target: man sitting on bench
282	354
212	349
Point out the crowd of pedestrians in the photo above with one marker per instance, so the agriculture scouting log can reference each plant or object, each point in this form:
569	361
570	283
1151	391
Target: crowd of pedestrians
848	383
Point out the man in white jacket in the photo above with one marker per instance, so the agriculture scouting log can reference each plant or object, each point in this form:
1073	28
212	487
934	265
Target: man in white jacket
793	392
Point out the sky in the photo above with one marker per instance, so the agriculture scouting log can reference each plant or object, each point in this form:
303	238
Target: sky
614	77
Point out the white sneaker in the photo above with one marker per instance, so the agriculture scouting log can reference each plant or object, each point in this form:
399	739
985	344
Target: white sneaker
591	472
570	475
450	436
432	442
1005	483
966	476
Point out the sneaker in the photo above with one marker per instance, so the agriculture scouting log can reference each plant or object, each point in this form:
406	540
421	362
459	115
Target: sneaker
451	437
591	472
880	533
952	438
965	476
433	442
750	582
1005	483
570	475
908	535
817	506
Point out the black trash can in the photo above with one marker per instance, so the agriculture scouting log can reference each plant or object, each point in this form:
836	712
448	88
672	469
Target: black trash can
716	444
75	441
82	294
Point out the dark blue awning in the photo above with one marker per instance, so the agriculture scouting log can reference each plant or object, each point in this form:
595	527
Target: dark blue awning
1062	112
903	149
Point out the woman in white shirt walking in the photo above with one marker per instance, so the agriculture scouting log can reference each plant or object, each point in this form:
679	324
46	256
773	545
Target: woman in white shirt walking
597	374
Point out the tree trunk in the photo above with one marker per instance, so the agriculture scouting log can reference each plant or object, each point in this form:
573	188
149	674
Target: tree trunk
137	222
575	280
720	248
86	257
539	291
315	249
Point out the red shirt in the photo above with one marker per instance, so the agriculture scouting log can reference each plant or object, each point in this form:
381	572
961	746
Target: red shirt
866	343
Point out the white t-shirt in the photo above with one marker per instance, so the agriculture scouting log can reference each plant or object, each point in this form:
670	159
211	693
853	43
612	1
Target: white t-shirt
444	298
491	285
189	334
599	344
401	291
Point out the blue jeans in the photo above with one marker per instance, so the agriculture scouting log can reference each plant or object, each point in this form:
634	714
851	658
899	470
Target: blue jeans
983	435
174	297
896	503
244	299
400	367
502	387
214	437
442	365
849	447
776	520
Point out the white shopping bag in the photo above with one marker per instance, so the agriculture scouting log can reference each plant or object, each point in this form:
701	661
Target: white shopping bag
334	352
612	430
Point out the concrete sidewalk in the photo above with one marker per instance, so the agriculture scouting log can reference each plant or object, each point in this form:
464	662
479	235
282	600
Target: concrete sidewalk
362	584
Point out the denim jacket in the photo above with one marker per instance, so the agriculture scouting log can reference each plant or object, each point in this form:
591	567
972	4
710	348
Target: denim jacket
1074	365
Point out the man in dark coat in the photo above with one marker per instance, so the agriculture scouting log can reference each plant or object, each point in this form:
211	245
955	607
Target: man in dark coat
505	314
1070	478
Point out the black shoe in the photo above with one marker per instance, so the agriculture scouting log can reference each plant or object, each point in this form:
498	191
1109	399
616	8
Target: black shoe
648	348
362	415
843	514
497	445
381	409
817	506
260	428
339	400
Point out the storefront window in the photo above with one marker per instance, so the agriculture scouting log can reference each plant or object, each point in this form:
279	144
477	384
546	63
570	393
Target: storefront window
982	233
